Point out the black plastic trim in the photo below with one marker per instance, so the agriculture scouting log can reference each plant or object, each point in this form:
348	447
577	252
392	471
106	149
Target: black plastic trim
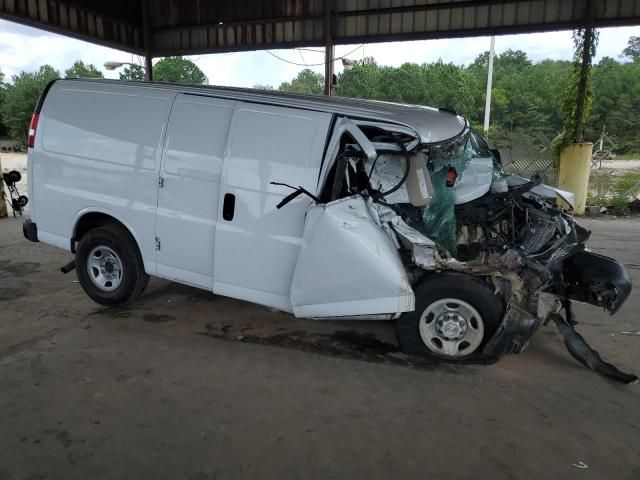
228	206
43	95
448	110
30	230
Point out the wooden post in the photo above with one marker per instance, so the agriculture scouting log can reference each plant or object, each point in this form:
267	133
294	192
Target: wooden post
328	47
3	202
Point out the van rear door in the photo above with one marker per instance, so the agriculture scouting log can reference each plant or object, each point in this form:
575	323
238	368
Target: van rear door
189	188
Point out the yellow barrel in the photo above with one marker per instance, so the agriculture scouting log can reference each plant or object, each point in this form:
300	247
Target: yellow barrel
575	165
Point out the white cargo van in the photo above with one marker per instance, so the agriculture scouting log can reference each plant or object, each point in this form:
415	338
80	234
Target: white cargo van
322	207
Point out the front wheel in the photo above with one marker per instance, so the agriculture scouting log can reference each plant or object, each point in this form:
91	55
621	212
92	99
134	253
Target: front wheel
455	315
109	266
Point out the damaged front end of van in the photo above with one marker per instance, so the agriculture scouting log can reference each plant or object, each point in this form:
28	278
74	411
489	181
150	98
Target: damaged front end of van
456	223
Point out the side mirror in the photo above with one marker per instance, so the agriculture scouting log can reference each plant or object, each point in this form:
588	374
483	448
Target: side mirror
497	155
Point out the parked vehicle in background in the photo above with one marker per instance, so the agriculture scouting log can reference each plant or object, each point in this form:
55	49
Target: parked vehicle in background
321	207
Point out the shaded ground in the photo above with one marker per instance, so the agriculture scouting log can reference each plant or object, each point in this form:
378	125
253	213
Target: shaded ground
185	384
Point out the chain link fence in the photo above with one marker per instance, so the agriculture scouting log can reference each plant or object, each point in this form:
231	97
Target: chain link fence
525	155
613	183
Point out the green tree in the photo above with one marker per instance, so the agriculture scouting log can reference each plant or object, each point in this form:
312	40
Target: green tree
527	97
307	81
132	72
617	99
438	84
178	70
83	70
362	81
579	94
21	97
632	52
3	128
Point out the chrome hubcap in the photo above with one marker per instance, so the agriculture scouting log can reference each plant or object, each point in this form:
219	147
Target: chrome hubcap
451	327
105	268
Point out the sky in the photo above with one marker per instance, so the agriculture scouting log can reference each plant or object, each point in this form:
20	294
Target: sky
25	48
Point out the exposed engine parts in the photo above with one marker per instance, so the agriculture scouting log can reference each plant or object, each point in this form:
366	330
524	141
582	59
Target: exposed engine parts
450	208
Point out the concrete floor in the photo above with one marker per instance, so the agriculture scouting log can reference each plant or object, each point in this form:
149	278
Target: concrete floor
184	384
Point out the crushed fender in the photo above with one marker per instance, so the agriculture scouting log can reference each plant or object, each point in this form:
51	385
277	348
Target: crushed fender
424	208
587	356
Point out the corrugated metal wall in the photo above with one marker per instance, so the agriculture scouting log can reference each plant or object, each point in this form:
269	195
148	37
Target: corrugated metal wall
225	26
199	26
81	20
389	20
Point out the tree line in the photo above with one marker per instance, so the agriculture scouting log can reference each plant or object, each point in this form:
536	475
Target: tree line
527	97
18	98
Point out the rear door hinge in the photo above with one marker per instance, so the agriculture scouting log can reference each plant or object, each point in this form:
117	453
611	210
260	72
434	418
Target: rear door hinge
157	244
160	182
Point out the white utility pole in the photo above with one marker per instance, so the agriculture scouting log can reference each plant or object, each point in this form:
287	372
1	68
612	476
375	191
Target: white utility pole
487	105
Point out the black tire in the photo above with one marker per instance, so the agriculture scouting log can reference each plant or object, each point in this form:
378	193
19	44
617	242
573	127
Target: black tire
22	201
15	176
437	286
133	277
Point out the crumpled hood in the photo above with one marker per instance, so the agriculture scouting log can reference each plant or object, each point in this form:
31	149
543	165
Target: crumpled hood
545	191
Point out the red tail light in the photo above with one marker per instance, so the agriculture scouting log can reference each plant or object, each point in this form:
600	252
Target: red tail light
32	130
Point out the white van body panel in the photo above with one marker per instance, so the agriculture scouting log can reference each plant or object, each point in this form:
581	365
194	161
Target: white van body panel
191	170
348	265
98	149
256	252
161	160
433	125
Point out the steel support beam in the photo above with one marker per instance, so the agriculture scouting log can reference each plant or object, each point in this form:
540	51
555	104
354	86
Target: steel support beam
329	49
148	41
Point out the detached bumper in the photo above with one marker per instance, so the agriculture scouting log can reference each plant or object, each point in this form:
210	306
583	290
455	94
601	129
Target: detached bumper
597	280
30	230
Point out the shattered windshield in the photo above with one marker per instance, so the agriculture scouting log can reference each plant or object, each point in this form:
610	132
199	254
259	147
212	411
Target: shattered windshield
479	145
446	163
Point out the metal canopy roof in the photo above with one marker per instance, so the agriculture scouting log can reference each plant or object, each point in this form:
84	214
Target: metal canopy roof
182	27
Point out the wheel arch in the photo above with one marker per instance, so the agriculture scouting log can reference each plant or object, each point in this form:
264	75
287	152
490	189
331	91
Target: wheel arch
88	219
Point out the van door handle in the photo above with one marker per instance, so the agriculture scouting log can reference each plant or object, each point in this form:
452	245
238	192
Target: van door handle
229	206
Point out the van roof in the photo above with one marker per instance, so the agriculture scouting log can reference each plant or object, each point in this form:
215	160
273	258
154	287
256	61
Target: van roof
432	124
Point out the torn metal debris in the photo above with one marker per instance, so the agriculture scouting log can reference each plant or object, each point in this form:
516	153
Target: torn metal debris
587	356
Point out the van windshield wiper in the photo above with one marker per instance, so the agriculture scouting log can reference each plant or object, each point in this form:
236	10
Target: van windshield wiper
295	194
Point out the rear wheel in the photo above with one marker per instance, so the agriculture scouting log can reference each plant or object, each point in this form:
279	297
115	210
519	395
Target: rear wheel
455	315
109	266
